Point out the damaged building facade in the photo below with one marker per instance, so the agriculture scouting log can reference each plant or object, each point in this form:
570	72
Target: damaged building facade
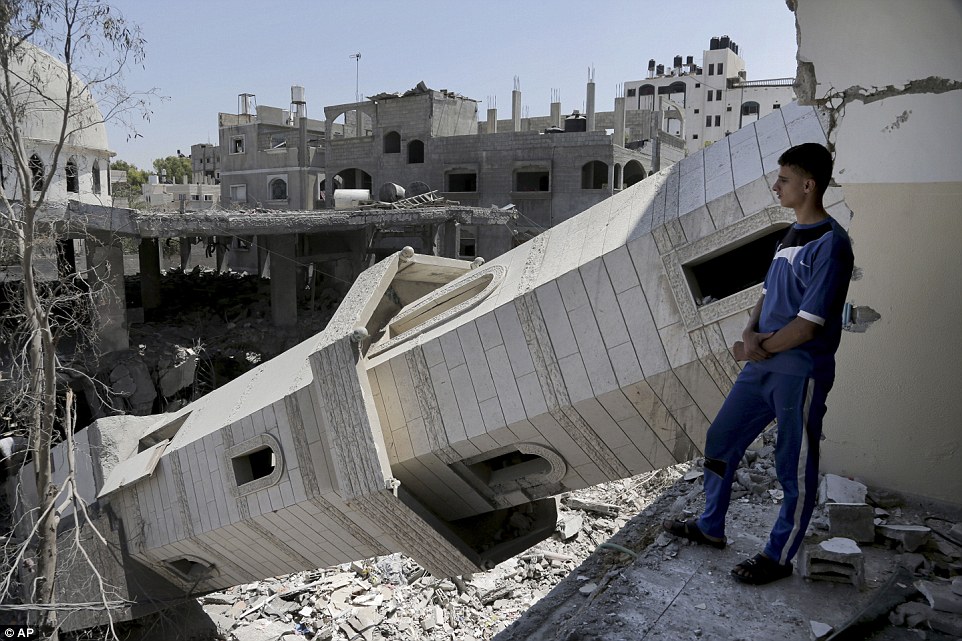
448	401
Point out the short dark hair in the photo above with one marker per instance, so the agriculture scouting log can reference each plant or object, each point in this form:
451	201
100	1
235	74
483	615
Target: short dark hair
813	159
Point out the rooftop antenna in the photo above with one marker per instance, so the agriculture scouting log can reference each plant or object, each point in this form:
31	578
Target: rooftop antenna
356	57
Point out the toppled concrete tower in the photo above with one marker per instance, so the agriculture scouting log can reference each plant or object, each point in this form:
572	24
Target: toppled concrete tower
447	401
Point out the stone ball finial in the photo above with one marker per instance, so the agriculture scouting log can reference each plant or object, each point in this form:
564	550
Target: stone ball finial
407	253
359	334
477	262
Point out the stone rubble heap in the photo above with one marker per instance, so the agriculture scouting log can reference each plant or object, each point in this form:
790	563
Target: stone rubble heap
393	598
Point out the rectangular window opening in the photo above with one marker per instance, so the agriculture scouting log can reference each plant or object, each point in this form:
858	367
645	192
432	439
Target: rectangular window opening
467	242
463	182
237	145
732	269
254	465
532	181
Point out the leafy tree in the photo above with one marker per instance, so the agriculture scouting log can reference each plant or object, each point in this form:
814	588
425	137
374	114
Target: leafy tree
91	40
176	167
135	177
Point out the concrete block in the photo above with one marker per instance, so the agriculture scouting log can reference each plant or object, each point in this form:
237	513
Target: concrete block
908	537
819	630
569	525
852	520
838	489
837	559
940	596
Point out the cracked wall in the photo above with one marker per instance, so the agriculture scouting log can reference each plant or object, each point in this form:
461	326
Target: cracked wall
890	74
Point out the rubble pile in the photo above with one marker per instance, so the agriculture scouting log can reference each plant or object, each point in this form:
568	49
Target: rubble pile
393	598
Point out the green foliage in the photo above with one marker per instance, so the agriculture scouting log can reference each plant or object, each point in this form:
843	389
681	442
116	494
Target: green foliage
135	177
176	166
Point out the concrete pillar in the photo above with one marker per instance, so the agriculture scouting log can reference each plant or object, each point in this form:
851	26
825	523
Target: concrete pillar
185	243
555	120
516	110
590	106
220	253
619	121
492	127
283	248
105	261
149	256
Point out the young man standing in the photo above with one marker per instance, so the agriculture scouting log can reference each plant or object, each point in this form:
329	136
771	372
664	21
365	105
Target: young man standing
790	343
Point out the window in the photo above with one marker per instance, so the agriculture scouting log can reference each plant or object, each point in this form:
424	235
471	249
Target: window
634	172
718	121
208	197
711	69
697	85
631	92
734	269
238	193
278	141
195	197
392	142
467	241
36	171
415	152
729	108
532	180
95	175
711	95
254	465
708	121
462	181
73	180
697	110
594	175
694	137
750	108
776	106
277	189
237	144
718	94
720	69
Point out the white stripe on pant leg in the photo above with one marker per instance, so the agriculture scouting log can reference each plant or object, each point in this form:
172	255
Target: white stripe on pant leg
801	472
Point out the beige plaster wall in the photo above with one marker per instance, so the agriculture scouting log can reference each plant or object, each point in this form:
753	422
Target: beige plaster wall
895	414
892	73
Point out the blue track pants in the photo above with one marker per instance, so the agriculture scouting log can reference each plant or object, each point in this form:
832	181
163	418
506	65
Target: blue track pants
758	396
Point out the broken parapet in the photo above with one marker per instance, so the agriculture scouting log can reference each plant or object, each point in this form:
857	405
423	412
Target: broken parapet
447	402
837	559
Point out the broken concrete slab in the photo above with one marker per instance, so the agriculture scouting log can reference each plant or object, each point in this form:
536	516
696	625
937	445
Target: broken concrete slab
855	521
838	489
837	559
940	596
820	630
606	509
908	537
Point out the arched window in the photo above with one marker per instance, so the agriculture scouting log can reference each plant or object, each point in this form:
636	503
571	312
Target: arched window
646	97
634	172
594	175
95	175
36	170
353	178
392	142
750	111
415	152
277	189
675	92
73	180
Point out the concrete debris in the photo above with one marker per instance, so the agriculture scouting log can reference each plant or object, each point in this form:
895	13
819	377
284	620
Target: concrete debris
940	596
838	489
820	630
837	559
909	538
588	506
955	533
851	520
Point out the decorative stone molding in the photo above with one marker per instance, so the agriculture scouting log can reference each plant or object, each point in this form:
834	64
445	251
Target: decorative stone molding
259	442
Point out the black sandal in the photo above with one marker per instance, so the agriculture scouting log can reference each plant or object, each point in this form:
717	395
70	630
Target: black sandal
760	570
689	530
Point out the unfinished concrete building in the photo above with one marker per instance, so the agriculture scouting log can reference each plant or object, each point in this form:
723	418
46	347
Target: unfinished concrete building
447	402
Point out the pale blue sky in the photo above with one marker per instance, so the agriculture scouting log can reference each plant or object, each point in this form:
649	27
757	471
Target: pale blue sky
202	53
